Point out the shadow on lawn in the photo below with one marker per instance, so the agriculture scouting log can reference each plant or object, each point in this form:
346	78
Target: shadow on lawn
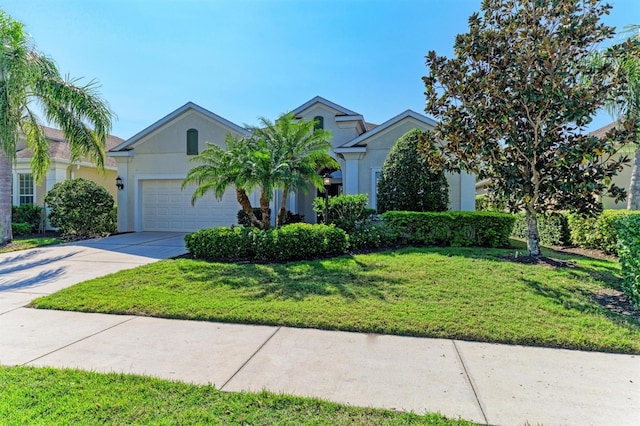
344	276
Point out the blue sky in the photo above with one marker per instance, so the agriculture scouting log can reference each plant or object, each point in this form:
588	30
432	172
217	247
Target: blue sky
243	59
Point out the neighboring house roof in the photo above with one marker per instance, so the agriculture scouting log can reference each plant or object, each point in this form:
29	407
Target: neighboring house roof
321	100
408	113
602	131
60	150
128	144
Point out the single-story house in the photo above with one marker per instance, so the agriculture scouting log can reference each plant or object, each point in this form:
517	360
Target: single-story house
153	163
26	191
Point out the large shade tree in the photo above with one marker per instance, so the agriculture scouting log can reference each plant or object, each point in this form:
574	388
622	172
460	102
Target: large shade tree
513	106
27	79
283	155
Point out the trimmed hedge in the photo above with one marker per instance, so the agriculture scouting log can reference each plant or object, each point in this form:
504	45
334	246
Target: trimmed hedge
458	229
598	232
290	242
629	252
552	229
369	235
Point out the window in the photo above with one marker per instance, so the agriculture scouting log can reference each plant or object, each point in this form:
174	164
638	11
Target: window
192	142
25	189
319	122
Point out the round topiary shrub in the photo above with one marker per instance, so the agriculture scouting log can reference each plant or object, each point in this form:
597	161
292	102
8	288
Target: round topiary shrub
80	208
409	182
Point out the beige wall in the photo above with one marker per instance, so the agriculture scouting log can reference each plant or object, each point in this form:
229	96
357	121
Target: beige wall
341	132
163	154
623	180
104	178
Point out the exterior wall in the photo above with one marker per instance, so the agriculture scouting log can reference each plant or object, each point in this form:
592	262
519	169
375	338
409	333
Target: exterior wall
162	154
341	132
623	180
104	178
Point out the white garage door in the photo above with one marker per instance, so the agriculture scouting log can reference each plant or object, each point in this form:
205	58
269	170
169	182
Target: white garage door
165	207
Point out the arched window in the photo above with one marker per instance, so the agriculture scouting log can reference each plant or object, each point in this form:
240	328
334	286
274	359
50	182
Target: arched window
192	142
319	120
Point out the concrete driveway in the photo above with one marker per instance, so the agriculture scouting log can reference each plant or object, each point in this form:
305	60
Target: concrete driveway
27	274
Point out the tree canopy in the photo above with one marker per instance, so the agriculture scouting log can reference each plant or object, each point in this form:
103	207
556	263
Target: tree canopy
514	103
28	78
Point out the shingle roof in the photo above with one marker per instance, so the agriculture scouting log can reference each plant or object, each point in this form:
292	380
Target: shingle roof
59	148
603	130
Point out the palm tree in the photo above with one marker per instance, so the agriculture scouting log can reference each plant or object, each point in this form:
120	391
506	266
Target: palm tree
300	150
27	77
245	165
625	61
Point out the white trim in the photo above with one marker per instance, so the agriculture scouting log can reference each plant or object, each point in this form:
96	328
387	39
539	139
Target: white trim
166	119
356	149
373	200
120	153
356	117
323	101
389	123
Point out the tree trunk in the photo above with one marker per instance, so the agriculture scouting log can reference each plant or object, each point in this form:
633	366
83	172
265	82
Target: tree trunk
6	182
264	209
282	214
533	238
243	199
633	200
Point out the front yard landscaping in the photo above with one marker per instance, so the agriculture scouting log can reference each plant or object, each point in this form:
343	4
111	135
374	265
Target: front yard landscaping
28	395
461	293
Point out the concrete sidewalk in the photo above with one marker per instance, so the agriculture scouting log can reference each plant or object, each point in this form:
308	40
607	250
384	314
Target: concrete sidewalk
485	383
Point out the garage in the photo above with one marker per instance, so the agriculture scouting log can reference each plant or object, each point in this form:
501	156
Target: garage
166	207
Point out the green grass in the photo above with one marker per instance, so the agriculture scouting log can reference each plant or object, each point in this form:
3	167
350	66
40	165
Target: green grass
461	293
28	243
49	396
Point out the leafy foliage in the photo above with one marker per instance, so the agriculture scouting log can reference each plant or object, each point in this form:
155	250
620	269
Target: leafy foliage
31	214
456	229
345	211
514	102
31	78
629	252
553	229
294	241
21	228
370	234
285	155
410	180
80	208
598	232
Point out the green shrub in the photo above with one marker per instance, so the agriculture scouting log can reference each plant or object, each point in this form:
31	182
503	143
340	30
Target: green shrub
345	211
31	214
243	219
410	180
80	208
553	229
289	242
21	228
629	252
487	203
597	232
372	235
483	229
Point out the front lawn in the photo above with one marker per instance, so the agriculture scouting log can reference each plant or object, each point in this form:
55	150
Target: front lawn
459	293
28	243
49	396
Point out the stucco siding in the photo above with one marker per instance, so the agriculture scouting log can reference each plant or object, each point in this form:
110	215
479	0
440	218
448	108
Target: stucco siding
106	178
340	132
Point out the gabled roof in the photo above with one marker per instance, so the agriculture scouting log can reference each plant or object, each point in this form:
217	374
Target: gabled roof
408	113
60	150
321	100
166	119
602	131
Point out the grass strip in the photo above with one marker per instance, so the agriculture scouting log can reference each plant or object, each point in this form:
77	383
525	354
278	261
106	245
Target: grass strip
31	395
28	243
